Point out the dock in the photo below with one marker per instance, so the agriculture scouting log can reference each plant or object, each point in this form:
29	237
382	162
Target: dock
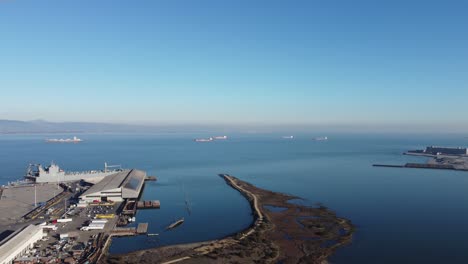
151	178
142	228
148	204
124	231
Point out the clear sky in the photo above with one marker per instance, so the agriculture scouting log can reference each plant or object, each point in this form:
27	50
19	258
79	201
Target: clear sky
273	62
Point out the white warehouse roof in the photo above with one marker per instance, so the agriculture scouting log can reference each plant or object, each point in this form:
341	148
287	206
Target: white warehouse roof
128	182
18	241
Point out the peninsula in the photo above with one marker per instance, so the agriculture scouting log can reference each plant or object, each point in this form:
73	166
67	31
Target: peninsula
282	232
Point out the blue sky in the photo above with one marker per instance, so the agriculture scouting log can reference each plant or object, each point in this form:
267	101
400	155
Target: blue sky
268	62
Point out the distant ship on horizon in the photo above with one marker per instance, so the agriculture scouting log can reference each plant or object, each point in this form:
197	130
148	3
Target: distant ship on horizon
211	139
204	139
61	140
288	137
321	138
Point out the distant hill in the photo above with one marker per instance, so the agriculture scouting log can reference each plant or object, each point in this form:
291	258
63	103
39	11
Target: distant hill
41	126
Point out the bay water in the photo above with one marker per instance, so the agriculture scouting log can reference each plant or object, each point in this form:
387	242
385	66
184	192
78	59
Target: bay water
401	215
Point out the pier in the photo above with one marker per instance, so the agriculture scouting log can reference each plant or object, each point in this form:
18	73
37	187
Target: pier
149	204
142	228
123	231
151	178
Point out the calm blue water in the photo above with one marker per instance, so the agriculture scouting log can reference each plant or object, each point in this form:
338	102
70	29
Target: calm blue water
402	215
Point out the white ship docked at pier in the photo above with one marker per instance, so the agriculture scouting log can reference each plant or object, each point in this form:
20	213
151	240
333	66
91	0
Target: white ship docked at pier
53	173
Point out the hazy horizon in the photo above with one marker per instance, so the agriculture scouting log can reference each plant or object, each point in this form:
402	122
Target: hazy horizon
363	65
28	126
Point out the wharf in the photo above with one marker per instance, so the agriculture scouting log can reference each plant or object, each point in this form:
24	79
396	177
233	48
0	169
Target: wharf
148	204
123	231
142	228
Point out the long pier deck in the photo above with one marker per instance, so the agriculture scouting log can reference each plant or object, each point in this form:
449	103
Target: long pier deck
148	204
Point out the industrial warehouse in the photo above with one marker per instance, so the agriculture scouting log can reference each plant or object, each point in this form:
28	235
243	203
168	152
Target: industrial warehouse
116	187
69	220
19	242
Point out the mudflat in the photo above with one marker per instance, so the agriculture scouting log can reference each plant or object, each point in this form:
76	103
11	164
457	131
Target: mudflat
282	232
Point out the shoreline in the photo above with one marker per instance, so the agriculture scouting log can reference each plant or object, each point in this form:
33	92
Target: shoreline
299	234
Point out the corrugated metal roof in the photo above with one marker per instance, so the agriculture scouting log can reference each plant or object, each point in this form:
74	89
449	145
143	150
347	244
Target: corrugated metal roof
17	240
133	184
113	181
131	180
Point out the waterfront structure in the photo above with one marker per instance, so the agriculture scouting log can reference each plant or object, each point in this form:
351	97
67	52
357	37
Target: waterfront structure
53	173
116	187
17	244
445	151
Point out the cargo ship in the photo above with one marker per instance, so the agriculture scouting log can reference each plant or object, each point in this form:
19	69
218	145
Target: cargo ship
220	137
61	140
204	139
288	137
321	138
53	173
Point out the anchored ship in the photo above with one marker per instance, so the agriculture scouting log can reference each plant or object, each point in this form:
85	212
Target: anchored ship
321	138
67	140
220	137
204	139
53	173
288	137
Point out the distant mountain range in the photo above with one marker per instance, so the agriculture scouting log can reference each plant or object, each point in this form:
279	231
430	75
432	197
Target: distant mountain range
41	126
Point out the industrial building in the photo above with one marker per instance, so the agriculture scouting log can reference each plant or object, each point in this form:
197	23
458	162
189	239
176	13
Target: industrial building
116	187
446	151
16	244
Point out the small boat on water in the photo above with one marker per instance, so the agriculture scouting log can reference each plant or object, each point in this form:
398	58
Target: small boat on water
175	224
151	234
288	137
220	137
